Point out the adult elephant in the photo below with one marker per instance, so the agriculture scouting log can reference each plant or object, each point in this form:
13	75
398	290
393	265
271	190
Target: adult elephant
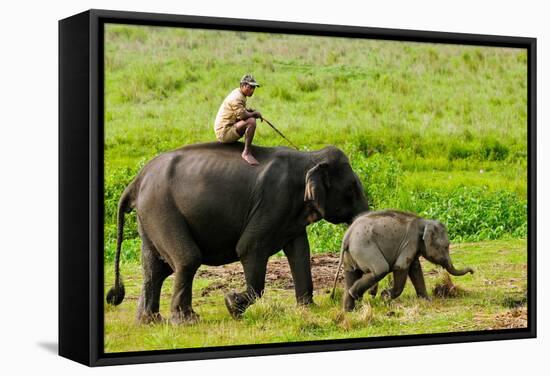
202	204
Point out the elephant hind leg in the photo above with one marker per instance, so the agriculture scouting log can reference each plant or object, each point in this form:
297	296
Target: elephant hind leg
350	277
375	267
175	244
364	283
372	262
155	271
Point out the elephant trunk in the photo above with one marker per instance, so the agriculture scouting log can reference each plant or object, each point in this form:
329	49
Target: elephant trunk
457	272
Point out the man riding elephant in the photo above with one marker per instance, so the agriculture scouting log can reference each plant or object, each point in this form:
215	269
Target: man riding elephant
201	205
234	120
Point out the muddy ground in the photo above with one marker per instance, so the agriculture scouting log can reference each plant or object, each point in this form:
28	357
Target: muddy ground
278	276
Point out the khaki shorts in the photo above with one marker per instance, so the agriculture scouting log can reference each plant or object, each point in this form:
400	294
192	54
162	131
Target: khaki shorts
227	135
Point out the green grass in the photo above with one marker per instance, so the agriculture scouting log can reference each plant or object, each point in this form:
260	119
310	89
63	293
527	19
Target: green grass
491	293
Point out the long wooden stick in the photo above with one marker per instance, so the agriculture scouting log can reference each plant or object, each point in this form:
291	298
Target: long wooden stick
279	132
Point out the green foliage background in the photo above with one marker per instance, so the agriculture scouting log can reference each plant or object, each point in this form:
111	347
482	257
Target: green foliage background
440	130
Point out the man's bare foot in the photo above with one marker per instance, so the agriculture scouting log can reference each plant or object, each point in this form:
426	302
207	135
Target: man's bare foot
250	159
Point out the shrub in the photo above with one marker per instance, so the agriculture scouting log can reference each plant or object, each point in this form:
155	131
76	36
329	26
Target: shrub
457	151
493	150
472	214
380	175
307	85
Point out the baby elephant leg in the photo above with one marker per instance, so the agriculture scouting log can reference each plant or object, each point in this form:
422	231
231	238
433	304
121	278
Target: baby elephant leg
350	277
399	279
373	290
377	269
369	259
417	278
366	282
400	271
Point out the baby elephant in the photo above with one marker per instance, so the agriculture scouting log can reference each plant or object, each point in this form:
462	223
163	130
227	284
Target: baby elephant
391	241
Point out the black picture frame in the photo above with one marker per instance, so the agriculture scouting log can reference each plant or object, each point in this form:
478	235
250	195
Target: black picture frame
81	293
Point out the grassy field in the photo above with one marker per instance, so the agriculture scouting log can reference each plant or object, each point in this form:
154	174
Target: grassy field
439	130
494	297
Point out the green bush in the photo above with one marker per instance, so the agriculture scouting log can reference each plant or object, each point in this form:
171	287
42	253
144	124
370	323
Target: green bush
472	214
380	175
460	151
493	150
307	85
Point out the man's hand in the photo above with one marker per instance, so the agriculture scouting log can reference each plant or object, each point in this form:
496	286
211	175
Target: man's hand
253	113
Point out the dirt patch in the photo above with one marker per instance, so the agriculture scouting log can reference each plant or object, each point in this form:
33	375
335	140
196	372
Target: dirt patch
278	275
514	318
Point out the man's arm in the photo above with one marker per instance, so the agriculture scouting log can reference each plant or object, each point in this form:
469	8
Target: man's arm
242	112
249	112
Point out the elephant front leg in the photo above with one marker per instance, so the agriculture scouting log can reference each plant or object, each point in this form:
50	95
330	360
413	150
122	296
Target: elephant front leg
417	279
401	270
399	280
297	252
254	272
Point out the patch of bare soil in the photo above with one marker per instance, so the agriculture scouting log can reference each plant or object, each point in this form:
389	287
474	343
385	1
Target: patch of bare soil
278	275
513	318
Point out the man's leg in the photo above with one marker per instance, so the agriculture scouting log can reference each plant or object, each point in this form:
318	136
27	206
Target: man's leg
247	128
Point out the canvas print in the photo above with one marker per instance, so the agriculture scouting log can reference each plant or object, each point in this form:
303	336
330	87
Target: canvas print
266	188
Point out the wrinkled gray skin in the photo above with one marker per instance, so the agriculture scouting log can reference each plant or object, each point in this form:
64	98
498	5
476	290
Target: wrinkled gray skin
203	204
378	243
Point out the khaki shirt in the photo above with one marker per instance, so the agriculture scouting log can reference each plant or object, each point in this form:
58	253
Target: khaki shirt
231	110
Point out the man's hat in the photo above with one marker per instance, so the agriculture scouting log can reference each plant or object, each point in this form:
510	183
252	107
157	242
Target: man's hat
249	80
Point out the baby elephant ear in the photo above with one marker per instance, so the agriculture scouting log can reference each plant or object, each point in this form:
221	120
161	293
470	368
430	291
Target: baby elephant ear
428	232
316	186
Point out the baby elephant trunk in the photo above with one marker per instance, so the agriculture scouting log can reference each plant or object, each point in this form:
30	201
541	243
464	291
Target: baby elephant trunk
457	272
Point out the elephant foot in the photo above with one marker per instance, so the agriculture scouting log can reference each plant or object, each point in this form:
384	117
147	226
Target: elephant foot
373	290
386	294
236	304
305	301
149	318
426	297
349	303
184	317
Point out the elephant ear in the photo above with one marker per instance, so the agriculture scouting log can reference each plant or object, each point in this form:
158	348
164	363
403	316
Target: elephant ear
317	184
431	238
428	233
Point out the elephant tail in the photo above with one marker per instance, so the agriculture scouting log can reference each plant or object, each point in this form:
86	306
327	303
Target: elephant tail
343	249
115	296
